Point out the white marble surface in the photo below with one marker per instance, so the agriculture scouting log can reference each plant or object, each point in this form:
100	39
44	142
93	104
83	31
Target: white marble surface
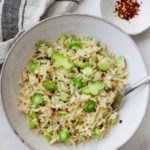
140	140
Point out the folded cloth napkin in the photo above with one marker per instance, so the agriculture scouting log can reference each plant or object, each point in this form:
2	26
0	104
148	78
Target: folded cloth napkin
17	16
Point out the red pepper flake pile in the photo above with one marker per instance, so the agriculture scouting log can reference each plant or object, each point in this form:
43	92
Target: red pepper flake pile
127	9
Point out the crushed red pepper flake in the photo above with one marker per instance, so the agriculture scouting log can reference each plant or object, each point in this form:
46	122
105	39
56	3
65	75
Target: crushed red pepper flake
66	109
127	9
53	112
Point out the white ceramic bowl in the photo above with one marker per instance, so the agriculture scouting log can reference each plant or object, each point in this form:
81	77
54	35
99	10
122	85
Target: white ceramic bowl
117	41
134	26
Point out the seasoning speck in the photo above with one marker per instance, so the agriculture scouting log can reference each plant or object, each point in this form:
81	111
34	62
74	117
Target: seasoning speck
120	121
127	9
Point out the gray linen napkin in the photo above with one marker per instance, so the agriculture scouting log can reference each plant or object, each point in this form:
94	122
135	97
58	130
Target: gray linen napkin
17	16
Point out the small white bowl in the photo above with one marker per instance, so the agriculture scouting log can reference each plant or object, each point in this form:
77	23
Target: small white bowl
136	25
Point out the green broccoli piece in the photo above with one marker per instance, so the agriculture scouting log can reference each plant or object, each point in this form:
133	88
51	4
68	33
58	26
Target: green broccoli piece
47	135
74	44
63	96
93	88
33	66
50	85
77	82
82	63
32	120
62	61
104	64
98	133
88	71
121	61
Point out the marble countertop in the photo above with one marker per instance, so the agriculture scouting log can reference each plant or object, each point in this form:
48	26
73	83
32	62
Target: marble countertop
140	140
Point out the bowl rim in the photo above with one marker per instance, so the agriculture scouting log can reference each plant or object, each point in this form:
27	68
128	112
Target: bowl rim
56	17
111	22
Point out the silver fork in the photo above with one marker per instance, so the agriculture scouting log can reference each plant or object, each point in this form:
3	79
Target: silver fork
119	99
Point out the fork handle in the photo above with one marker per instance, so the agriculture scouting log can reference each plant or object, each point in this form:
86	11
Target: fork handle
131	88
